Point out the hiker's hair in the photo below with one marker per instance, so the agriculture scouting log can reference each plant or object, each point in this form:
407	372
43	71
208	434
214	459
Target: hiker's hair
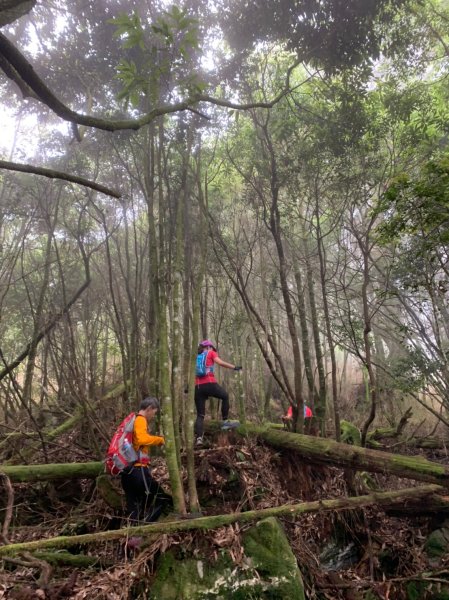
149	402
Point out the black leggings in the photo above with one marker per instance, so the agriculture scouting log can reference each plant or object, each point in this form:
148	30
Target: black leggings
145	499
202	393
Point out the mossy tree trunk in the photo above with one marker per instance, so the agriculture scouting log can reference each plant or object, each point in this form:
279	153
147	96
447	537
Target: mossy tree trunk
190	409
176	373
51	472
290	510
328	452
167	413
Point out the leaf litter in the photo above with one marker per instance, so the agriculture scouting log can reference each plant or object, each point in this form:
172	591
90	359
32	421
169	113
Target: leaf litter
249	476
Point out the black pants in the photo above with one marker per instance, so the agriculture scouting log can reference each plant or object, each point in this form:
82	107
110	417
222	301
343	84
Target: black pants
202	393
145	499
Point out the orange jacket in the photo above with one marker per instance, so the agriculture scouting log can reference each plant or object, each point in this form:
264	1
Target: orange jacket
142	440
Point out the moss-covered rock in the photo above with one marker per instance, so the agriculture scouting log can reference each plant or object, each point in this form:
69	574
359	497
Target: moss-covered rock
270	572
437	543
349	433
267	546
421	590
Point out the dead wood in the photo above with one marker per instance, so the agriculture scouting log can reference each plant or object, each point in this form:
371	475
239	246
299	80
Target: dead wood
213	522
21	473
328	452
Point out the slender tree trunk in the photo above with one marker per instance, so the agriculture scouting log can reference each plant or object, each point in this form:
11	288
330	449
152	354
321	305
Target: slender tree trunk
367	338
38	318
167	414
275	229
320	405
327	320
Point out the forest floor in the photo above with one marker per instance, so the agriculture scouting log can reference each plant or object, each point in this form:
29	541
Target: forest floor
342	555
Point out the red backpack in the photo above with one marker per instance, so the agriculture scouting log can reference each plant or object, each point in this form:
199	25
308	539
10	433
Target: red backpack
121	453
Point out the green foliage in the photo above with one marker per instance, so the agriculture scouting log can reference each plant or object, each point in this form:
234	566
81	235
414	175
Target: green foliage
418	205
331	34
129	27
412	371
161	55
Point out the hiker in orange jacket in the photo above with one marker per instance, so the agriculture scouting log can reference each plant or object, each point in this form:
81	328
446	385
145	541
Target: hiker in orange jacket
145	499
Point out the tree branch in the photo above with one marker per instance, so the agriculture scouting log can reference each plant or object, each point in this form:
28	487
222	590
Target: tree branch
52	174
23	74
44	331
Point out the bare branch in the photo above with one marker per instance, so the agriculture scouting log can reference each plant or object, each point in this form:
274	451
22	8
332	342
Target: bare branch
52	174
44	331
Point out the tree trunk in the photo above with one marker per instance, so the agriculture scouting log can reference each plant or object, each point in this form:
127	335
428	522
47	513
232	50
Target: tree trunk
328	452
288	510
320	402
167	415
52	472
327	321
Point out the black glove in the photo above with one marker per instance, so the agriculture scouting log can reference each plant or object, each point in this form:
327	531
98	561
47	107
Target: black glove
237	368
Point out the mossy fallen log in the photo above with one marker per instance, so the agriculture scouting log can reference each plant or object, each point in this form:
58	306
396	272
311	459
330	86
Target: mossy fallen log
416	508
328	452
80	561
206	523
21	473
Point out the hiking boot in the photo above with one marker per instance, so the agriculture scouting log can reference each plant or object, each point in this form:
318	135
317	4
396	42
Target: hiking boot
228	424
199	441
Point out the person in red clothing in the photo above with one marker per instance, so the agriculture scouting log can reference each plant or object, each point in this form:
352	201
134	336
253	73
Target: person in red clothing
288	417
206	386
145	499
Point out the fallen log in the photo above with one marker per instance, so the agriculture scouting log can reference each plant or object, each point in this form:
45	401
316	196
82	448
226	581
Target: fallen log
435	504
378	498
21	473
325	451
80	561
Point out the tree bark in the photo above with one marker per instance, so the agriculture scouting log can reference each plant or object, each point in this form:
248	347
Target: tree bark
52	174
328	452
51	472
318	506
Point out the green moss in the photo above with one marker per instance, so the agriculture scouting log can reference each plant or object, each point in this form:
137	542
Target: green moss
349	433
418	590
419	464
107	491
414	590
267	546
270	572
370	595
177	579
437	543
